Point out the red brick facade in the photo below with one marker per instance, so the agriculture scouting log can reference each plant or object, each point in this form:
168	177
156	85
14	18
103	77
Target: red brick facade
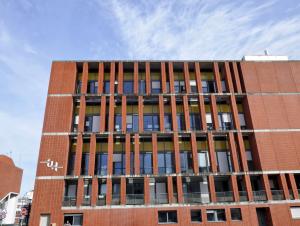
266	94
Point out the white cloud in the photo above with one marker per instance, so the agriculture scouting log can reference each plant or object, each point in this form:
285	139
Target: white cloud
203	29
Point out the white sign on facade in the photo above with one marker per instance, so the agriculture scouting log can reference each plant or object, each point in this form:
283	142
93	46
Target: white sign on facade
52	165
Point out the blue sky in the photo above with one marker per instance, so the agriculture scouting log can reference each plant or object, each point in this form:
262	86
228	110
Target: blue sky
35	32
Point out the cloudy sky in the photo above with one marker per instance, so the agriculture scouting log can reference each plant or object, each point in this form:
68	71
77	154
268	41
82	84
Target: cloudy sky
35	32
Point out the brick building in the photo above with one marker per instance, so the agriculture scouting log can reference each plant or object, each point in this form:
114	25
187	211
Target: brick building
144	143
10	183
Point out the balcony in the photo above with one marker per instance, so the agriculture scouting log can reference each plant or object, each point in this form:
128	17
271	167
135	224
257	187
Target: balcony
243	196
86	201
101	201
194	197
115	199
135	199
259	195
224	196
277	194
69	201
161	198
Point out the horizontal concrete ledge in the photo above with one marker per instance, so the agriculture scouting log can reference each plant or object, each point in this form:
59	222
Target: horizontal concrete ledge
165	175
208	205
178	94
215	132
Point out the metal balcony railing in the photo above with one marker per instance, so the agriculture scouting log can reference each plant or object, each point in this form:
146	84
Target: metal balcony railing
277	194
69	201
194	197
243	196
86	201
160	198
135	199
101	201
225	196
115	199
259	195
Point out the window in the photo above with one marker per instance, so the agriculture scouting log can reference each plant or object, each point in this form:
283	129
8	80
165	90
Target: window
196	216
186	162
70	193
180	122
74	219
119	164
208	86
78	86
179	86
155	87
101	164
168	122
132	123
85	163
45	220
127	87
101	192
203	161
151	122
295	211
193	86
223	83
142	87
242	121
209	122
146	163
92	123
118	122
106	87
167	216
165	162
225	121
195	121
224	161
76	122
236	214
71	163
92	87
216	215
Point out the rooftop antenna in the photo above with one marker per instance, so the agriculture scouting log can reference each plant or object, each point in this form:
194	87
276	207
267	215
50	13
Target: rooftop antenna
266	52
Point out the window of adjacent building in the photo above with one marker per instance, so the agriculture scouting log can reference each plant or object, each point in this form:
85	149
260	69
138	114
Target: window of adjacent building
45	220
295	212
127	87
236	214
167	216
155	87
73	219
92	87
216	215
193	85
196	216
